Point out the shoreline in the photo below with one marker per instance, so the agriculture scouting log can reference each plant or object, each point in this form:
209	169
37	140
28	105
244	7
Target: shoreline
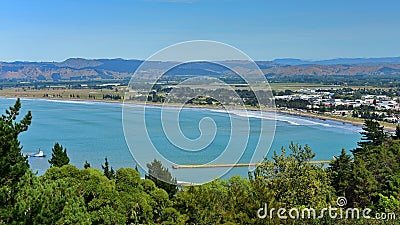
320	117
285	112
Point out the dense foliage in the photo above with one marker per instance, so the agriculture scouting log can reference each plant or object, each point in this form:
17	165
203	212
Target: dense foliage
68	195
13	165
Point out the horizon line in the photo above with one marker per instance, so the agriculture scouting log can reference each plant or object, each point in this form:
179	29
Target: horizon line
257	60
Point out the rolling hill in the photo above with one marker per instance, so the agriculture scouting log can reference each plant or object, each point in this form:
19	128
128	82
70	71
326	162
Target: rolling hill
84	69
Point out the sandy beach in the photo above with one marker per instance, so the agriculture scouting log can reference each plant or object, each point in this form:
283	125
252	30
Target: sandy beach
353	121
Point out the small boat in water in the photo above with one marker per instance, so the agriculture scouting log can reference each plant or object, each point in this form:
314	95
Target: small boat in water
38	154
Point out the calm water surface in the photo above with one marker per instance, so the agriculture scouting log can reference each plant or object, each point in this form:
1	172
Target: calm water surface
92	131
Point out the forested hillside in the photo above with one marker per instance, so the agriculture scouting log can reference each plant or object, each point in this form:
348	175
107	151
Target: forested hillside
85	69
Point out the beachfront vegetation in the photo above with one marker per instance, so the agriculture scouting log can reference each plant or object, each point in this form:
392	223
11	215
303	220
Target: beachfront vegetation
370	177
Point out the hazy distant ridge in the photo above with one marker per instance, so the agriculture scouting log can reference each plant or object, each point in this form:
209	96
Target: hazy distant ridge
81	69
348	61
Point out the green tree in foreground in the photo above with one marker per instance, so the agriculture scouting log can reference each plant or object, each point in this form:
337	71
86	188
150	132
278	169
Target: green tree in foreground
41	201
364	184
59	156
341	174
109	173
162	177
13	165
86	165
293	180
373	134
68	195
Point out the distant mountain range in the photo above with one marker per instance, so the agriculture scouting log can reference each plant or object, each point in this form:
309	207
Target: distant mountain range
84	69
346	61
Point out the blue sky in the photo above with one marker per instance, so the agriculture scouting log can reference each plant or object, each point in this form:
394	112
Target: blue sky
54	30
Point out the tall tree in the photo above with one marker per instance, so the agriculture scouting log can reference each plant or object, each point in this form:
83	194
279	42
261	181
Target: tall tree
86	165
162	177
364	184
109	173
341	174
59	156
372	135
13	165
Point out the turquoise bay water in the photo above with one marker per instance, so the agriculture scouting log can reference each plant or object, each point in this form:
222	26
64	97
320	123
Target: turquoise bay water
92	131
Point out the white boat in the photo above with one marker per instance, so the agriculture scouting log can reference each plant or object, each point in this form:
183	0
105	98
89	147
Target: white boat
39	154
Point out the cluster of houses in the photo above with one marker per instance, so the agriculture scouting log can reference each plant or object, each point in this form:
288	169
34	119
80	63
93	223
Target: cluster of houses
326	98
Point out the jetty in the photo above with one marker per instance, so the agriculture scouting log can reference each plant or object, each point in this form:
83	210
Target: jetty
193	166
